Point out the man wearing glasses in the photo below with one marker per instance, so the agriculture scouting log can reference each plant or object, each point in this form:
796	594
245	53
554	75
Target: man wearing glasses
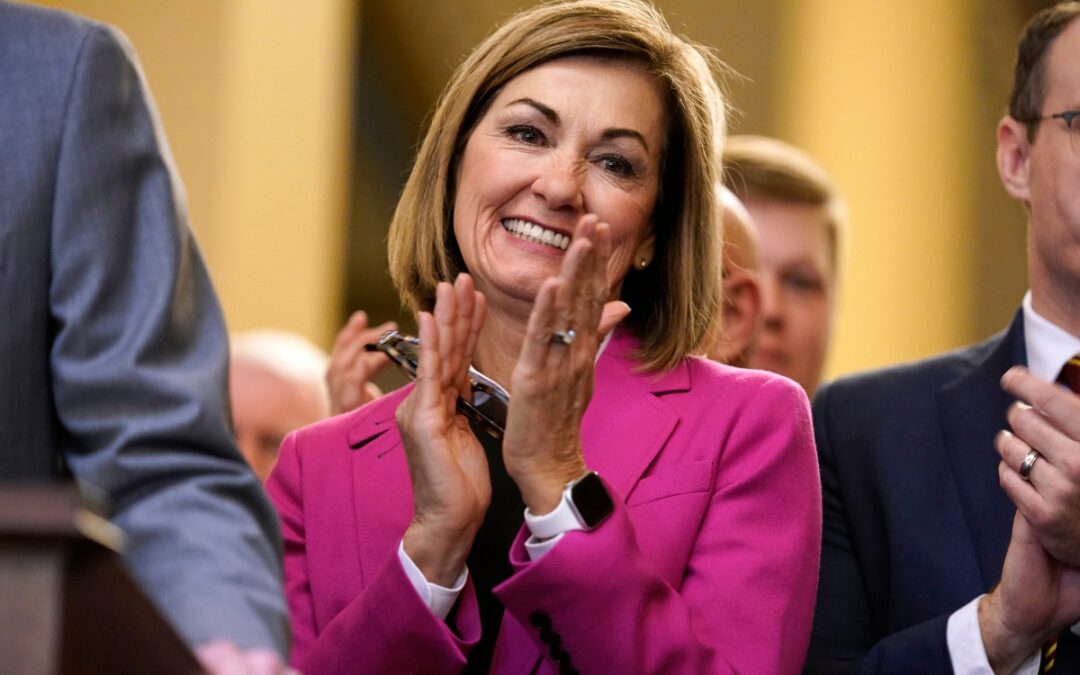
952	486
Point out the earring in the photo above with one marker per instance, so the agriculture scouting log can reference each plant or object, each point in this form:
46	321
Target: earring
642	263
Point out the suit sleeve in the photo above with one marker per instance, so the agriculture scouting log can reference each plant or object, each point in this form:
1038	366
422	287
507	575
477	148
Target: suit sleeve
387	628
746	598
138	363
844	638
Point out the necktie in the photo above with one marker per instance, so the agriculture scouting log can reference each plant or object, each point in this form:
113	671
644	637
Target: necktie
1061	654
1070	374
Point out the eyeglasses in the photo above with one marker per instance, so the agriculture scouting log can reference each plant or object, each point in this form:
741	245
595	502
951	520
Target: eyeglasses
1072	121
489	399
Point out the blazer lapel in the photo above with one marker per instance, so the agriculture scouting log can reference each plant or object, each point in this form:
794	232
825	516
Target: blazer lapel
973	411
382	496
626	423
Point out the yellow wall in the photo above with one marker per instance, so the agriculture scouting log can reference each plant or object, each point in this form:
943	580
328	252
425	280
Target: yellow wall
881	93
255	97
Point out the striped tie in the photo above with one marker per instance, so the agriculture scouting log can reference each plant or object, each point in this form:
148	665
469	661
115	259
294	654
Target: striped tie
1070	377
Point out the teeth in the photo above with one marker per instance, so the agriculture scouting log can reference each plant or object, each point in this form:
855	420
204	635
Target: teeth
533	232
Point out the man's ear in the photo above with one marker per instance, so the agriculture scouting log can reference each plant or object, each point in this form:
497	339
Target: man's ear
742	315
1013	158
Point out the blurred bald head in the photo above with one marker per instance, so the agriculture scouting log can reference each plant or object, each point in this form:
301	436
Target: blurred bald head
740	235
276	384
732	341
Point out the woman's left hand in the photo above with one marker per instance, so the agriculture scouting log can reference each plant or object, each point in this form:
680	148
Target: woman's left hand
552	382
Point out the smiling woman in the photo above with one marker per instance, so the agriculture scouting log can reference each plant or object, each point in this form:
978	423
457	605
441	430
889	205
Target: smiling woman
646	510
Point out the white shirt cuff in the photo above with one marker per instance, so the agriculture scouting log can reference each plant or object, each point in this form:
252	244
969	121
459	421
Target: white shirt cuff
551	526
538	548
439	599
966	650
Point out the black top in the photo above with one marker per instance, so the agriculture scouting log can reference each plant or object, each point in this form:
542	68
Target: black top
489	559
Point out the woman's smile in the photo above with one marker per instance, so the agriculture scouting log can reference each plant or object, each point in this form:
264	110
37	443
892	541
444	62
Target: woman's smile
535	233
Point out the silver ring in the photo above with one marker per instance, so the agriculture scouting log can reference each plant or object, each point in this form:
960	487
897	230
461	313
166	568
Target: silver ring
563	337
1029	461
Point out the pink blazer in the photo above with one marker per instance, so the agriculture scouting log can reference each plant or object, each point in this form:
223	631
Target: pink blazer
708	565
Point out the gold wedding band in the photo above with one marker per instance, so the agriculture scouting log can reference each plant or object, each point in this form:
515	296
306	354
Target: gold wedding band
1029	461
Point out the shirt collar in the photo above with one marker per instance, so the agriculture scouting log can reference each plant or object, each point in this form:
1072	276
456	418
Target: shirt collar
1048	345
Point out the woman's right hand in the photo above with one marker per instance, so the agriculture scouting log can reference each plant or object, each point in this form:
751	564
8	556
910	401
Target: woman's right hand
447	465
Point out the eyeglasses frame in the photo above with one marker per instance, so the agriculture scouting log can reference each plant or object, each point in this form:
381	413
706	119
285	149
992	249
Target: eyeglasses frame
1067	115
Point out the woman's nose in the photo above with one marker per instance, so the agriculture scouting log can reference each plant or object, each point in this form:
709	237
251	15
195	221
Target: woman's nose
560	182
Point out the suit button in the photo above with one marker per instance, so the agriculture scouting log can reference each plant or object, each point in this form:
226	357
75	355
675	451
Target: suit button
551	638
540	620
563	659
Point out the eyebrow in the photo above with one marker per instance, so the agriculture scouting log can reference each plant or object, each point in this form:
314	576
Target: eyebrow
553	117
610	134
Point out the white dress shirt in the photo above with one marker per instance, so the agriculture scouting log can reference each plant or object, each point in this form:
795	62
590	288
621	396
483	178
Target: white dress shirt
1048	348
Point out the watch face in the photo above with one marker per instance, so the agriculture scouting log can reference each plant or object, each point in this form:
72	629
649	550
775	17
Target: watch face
591	500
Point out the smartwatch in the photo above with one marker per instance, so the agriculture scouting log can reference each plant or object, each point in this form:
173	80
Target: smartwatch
585	504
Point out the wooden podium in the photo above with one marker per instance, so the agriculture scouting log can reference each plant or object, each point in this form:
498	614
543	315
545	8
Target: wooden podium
67	606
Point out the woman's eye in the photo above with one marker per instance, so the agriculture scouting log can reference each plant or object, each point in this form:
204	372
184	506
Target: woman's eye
617	165
525	133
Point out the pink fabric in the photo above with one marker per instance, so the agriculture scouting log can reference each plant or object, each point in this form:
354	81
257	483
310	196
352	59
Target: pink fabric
709	563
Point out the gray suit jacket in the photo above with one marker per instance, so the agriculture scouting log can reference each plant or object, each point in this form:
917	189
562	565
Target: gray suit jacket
113	350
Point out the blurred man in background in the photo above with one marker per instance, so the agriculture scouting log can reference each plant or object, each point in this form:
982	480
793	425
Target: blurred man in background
278	382
735	338
799	217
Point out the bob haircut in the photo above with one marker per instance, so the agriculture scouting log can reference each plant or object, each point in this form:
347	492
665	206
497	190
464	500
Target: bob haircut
675	299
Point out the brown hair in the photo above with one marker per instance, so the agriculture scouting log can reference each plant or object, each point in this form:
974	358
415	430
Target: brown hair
766	167
675	299
1029	79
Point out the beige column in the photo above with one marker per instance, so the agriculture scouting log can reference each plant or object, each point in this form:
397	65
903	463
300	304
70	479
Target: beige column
255	96
278	247
883	94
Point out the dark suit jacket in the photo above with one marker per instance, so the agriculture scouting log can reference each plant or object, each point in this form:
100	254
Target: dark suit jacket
915	522
113	349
